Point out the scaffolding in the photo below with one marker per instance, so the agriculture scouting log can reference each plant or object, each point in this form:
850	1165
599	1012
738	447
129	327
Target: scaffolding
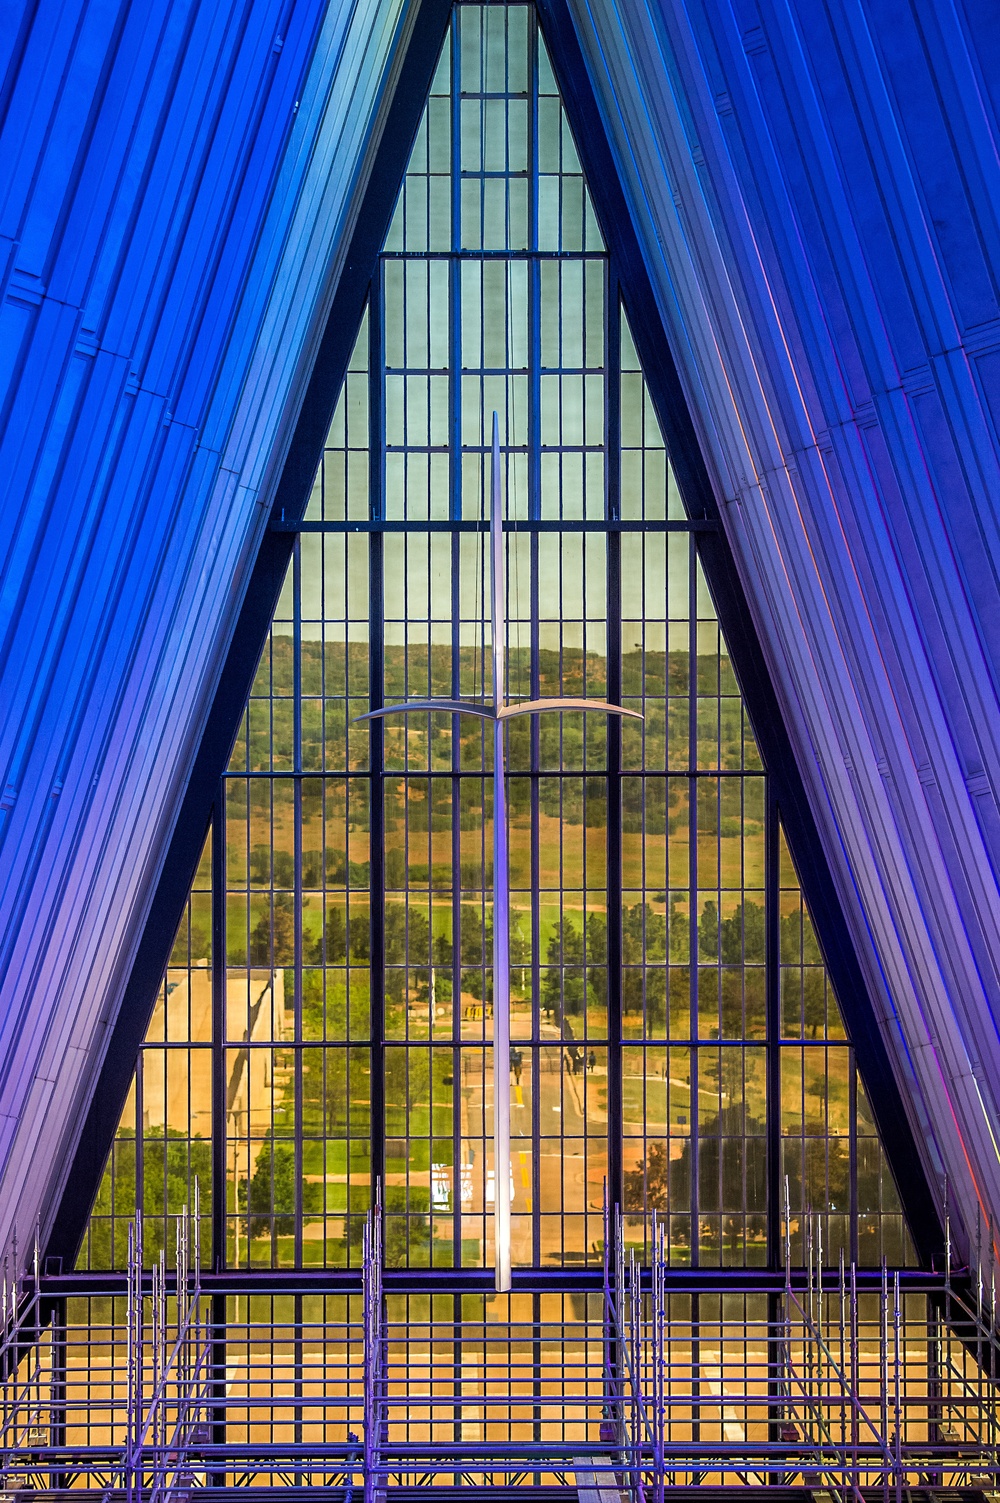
156	1420
822	1382
825	1395
26	1390
889	1436
168	1357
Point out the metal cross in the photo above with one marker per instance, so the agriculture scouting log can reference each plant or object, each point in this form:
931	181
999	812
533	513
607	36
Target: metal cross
499	710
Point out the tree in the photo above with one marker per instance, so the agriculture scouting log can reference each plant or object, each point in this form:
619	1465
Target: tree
441	961
646	1188
680	930
804	993
476	951
644	939
272	942
564	979
359	934
335	935
407	935
271	1196
814	1000
171	1163
742	936
407	952
406	1225
708	930
731	1176
520	950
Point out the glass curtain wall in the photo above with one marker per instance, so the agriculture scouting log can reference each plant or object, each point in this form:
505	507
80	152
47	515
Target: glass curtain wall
660	1040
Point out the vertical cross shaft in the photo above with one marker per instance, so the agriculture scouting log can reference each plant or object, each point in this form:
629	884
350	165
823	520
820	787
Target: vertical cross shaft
501	902
498	712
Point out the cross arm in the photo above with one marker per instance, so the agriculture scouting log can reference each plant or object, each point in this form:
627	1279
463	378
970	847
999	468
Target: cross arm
564	706
433	706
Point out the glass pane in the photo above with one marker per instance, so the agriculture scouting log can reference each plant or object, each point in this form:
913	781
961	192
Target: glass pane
163	1141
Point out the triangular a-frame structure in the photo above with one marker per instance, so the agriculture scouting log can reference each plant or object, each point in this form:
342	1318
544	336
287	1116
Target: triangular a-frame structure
325	1018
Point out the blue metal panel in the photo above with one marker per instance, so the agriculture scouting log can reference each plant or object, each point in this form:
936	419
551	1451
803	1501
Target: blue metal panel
179	180
101	1106
816	190
785	783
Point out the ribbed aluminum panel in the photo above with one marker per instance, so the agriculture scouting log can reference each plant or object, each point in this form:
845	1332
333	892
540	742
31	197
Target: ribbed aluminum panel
817	190
179	180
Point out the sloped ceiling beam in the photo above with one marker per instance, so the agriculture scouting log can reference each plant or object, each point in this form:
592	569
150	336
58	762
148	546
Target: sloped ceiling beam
180	186
817	191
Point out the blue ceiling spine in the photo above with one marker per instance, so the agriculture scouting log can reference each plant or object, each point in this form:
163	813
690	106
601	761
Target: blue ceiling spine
181	181
817	190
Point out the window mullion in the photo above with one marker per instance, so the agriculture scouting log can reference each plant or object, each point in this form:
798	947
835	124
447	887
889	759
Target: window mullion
692	593
612	440
376	683
536	930
219	1117
772	1025
297	882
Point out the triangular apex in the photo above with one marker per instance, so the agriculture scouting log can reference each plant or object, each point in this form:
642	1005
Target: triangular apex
493	268
352	1023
